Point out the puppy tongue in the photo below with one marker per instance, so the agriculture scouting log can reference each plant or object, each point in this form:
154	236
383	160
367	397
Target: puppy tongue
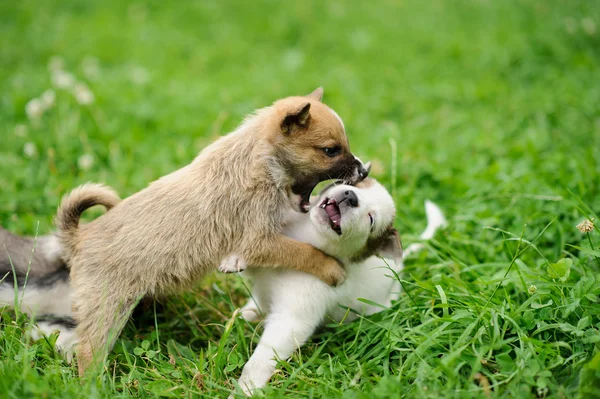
334	213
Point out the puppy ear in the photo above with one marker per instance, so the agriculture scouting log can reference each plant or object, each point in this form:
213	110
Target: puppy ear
368	167
317	94
297	117
391	247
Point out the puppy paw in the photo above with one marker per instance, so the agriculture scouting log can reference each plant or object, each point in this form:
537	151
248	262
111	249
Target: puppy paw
250	312
232	264
65	343
333	272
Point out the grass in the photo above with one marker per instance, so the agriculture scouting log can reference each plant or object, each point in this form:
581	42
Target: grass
489	108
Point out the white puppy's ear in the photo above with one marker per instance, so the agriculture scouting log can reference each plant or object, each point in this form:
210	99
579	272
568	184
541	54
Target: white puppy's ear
368	167
317	94
296	118
391	247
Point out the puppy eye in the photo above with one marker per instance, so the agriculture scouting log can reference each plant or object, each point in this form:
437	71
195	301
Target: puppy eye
332	151
372	219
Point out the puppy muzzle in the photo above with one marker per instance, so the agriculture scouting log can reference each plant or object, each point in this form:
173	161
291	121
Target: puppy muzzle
359	174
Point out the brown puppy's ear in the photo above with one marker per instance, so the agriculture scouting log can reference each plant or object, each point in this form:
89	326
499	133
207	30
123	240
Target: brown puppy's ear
297	117
391	246
317	94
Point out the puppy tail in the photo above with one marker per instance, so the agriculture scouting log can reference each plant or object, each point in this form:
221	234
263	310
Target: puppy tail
74	204
435	221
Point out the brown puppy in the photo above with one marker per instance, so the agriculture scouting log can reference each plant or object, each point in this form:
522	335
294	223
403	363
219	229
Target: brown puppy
231	198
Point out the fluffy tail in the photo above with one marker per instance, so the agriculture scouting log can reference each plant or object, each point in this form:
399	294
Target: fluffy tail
435	221
73	205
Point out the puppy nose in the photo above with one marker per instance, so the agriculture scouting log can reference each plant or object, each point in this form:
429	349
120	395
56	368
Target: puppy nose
362	173
351	197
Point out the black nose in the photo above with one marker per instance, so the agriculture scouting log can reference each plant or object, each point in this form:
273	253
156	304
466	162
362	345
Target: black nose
362	173
351	197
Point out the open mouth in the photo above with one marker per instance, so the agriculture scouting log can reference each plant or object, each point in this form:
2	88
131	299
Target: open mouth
305	203
303	190
332	209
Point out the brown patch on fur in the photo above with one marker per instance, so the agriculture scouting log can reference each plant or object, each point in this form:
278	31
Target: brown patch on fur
300	152
375	245
232	199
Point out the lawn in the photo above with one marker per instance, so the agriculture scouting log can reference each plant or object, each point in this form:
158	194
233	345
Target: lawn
491	109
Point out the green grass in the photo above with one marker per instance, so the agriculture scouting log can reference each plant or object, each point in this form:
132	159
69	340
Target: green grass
491	109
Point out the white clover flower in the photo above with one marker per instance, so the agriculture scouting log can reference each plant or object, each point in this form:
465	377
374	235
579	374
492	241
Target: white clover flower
56	63
62	79
83	94
30	150
585	226
48	98
91	67
293	59
34	109
21	130
85	161
532	289
589	26
140	76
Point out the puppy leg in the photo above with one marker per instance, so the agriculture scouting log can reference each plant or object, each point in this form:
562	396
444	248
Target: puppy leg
281	251
100	319
284	333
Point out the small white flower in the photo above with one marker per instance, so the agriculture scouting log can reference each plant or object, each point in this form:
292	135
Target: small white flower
586	226
293	59
56	63
21	130
85	161
589	26
48	98
83	94
30	150
62	79
140	76
34	109
532	289
91	67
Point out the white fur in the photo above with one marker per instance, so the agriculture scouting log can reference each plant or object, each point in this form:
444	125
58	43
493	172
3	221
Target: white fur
297	303
42	300
66	341
50	247
35	300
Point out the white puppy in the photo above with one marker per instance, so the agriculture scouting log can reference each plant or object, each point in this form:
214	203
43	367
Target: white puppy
352	223
34	278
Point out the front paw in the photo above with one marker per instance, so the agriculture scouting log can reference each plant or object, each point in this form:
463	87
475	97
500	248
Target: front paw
333	272
232	264
250	312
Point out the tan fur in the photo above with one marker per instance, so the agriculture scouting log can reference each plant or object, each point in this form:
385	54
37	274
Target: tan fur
231	198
